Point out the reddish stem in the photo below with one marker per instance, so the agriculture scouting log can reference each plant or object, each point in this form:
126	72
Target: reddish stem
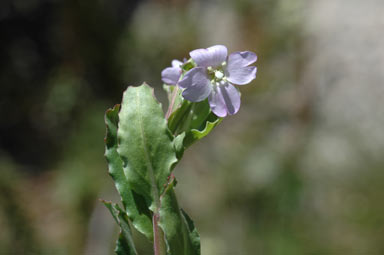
170	108
156	237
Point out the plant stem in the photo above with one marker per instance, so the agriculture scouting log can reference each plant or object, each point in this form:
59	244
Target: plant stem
170	108
158	236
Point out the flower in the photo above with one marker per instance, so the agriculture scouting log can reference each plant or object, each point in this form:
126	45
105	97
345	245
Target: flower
214	76
171	75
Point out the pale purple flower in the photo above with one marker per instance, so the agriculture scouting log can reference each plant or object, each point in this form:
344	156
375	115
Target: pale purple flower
214	76
171	75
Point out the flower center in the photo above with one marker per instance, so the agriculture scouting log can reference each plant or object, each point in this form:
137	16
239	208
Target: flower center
219	74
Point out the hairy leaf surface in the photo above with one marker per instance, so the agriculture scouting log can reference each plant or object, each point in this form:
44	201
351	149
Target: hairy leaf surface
145	144
134	205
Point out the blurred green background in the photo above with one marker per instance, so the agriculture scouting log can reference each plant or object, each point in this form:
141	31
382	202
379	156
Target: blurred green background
299	170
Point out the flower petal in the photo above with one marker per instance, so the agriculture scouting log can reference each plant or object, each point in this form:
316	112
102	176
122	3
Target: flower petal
224	99
196	85
176	63
212	56
242	75
171	75
241	59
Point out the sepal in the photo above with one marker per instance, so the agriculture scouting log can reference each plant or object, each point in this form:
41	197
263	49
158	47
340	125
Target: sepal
194	120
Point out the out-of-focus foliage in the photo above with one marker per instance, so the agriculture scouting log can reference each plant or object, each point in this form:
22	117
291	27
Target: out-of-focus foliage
298	170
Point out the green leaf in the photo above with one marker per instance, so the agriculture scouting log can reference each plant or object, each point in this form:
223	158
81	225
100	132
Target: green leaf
197	134
145	144
178	143
180	234
188	65
125	244
188	116
199	114
178	117
134	204
190	123
193	234
122	246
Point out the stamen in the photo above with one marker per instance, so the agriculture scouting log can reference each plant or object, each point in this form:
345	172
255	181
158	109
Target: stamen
219	75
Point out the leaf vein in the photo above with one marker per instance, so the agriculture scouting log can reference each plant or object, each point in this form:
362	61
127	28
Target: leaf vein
144	144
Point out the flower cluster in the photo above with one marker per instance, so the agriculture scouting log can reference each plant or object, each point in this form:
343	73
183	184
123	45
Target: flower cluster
213	75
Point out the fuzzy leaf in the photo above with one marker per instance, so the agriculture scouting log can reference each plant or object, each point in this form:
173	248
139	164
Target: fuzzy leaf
125	244
181	236
145	144
134	204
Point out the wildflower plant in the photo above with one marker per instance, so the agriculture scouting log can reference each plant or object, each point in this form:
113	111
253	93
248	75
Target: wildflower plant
143	145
